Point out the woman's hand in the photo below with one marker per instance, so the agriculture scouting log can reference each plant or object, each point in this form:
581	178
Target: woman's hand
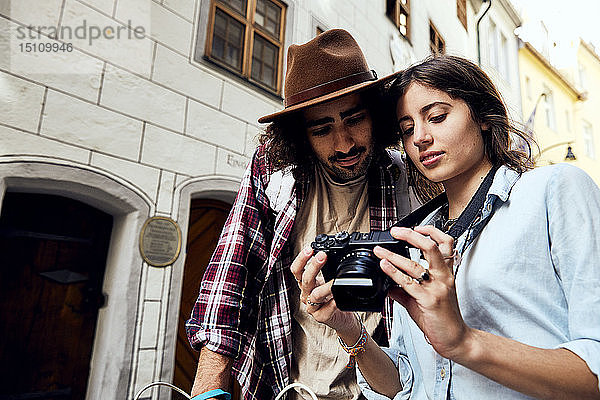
431	302
316	293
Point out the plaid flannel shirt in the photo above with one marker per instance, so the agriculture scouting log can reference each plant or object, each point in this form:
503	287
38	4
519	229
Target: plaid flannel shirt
243	309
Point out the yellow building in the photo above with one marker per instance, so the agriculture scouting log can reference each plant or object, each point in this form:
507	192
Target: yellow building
546	92
564	120
587	130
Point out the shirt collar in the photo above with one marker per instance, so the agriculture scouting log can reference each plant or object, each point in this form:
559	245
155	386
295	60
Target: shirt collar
504	180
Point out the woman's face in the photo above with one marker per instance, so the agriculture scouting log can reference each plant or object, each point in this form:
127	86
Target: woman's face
440	136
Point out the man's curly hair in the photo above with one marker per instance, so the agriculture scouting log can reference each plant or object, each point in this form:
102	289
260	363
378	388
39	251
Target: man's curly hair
286	142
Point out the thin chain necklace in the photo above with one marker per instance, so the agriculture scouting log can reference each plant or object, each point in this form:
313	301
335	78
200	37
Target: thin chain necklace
446	222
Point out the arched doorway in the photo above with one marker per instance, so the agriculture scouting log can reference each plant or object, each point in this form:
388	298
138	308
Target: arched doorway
53	261
207	218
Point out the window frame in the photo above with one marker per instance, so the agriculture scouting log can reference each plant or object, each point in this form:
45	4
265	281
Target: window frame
440	40
494	48
398	6
588	140
251	28
504	56
550	111
461	12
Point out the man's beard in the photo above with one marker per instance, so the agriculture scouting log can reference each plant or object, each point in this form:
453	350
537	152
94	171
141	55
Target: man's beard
342	174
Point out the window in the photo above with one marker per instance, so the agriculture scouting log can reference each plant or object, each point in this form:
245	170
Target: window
504	55
461	12
494	47
588	140
399	12
436	43
246	37
549	106
318	26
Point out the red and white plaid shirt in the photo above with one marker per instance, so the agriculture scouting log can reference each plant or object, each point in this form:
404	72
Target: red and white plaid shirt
243	308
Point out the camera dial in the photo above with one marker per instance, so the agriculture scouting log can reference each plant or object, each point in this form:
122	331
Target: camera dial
341	236
322	238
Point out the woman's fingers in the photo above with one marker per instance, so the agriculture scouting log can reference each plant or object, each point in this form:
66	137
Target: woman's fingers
426	244
444	241
406	282
410	267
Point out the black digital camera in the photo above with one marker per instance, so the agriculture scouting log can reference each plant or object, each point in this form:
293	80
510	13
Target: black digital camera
359	283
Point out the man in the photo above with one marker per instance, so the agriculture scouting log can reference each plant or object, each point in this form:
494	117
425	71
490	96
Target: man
321	167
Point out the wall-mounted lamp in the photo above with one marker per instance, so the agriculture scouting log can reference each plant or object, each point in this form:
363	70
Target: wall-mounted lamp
570	156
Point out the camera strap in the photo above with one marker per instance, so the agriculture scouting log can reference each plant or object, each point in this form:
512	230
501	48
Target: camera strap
468	218
471	215
415	217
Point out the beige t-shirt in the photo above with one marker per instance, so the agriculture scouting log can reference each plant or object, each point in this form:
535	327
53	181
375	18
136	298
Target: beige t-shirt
318	360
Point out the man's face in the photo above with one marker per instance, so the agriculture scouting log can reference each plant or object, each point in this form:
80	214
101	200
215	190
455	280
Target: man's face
340	133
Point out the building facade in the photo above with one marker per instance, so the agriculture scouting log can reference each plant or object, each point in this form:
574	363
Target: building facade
113	112
498	51
560	106
587	75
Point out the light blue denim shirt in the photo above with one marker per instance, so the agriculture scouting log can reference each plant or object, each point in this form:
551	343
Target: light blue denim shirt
532	275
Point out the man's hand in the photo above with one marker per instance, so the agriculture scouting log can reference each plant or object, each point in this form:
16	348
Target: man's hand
316	293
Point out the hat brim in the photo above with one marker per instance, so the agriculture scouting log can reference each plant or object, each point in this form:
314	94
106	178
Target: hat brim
330	96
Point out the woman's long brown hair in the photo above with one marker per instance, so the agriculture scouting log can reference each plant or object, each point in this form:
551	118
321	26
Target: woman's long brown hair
462	79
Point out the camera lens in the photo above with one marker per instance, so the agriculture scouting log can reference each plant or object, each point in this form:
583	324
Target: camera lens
358	273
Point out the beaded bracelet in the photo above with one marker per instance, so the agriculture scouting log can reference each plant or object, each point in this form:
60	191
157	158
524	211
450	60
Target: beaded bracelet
358	347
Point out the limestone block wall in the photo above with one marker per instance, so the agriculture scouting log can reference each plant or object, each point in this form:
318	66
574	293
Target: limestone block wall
136	109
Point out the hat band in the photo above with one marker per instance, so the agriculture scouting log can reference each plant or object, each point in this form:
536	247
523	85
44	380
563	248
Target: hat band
329	87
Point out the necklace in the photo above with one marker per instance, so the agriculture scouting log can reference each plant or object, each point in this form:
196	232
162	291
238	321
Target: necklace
447	223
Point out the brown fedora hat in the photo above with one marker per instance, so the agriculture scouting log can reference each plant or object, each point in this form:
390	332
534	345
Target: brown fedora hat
327	67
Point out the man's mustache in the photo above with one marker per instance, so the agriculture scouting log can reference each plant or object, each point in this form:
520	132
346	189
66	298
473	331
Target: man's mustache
354	151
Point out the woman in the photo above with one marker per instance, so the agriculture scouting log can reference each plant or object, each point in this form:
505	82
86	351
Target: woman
509	306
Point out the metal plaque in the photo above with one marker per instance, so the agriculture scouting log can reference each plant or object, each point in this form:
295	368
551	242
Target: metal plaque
160	241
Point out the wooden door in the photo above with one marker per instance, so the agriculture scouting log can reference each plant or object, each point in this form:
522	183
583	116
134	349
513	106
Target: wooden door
207	218
53	255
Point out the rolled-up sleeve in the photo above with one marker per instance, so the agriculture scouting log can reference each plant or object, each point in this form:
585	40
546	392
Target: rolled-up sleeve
406	378
573	214
224	317
397	353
